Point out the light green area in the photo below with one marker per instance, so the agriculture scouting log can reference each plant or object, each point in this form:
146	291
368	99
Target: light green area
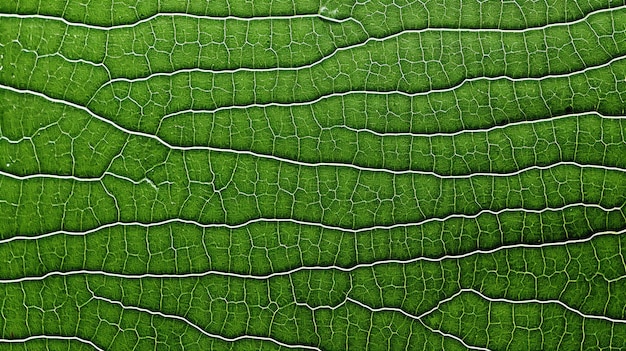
333	175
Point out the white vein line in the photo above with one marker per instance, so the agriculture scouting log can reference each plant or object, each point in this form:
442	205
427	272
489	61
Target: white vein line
298	16
365	92
452	336
188	15
201	330
492	128
323	164
313	64
439	303
382	309
305	223
480	130
398	310
331	54
410	95
232	151
70	60
50	176
547	302
490	299
51	337
418	134
306	268
340	94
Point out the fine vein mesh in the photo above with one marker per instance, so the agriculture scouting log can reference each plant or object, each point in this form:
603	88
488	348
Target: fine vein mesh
332	175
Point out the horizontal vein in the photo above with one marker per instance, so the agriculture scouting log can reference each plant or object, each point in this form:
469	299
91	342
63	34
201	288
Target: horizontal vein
322	164
478	130
452	336
435	134
67	59
309	268
51	337
184	15
305	223
297	16
390	309
198	328
330	54
398	310
546	302
481	295
371	92
241	152
490	299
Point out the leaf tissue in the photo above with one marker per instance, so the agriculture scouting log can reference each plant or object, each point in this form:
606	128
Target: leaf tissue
312	175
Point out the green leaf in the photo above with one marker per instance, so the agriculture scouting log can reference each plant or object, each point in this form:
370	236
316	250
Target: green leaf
272	175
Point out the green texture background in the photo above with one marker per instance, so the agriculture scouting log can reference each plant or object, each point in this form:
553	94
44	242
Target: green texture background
262	175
